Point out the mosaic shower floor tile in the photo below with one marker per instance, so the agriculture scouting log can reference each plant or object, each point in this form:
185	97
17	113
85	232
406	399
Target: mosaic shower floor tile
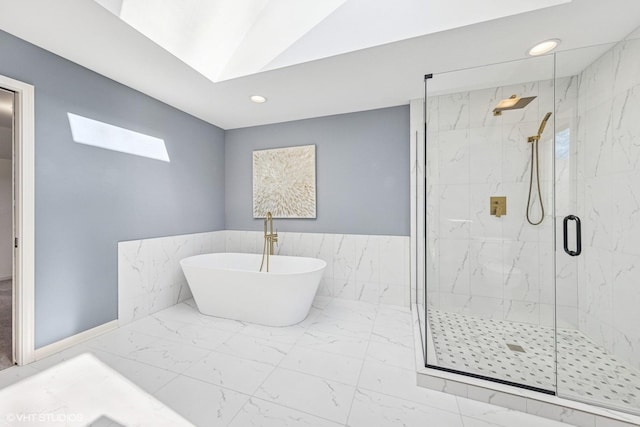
524	354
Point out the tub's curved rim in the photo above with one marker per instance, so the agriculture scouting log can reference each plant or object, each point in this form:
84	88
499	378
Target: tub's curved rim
322	267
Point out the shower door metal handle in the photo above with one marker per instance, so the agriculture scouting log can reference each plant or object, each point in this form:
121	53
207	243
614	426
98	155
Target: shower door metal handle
565	233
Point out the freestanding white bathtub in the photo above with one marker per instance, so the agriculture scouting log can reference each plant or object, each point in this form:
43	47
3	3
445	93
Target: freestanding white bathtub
229	285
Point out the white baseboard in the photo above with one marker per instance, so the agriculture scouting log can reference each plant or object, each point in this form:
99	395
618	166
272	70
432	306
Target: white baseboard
63	344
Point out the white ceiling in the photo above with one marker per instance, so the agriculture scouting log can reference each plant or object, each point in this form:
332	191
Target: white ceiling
352	76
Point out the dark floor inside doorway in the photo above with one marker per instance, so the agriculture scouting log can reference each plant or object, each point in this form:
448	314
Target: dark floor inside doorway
5	324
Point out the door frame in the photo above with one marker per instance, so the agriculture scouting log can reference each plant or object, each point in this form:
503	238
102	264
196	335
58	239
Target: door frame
24	220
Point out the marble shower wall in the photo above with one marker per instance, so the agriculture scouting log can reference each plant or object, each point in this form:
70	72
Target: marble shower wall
609	200
500	268
374	269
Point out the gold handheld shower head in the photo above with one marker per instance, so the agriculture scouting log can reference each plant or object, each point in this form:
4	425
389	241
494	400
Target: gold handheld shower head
544	123
534	161
512	103
540	130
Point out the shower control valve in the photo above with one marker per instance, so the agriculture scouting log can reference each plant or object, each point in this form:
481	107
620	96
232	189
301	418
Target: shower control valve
498	206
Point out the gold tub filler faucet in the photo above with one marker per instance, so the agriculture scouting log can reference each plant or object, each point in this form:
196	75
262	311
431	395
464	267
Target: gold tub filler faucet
270	239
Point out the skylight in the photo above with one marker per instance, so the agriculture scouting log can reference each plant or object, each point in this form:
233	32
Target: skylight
225	39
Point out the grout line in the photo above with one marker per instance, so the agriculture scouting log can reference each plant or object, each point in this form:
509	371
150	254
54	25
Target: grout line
353	398
278	365
155	394
459	409
275	368
291	408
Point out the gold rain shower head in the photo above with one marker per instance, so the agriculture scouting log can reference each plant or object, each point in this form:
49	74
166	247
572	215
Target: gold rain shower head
512	103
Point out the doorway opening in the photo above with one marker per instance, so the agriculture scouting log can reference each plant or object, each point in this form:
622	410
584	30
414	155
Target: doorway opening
21	215
7	132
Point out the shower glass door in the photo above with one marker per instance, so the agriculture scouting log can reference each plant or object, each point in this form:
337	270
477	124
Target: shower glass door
490	270
597	172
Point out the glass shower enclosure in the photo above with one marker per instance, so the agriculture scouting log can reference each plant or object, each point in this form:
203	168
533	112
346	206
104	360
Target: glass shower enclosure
530	238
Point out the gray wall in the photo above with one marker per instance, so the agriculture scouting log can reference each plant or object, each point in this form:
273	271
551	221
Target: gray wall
87	199
362	172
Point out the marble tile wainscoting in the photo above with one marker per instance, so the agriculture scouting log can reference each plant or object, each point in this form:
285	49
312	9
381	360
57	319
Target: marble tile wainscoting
149	275
368	268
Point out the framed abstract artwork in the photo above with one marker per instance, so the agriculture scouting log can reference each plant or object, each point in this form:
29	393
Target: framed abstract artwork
284	182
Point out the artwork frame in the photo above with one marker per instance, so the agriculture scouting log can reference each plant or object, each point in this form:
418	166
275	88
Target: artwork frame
284	182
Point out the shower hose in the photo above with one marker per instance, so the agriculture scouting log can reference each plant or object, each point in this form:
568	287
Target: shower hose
534	153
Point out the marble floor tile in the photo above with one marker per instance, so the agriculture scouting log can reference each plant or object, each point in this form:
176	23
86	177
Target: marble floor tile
61	356
401	383
392	354
311	318
365	309
147	377
155	327
371	409
187	311
232	372
335	368
229	325
393	317
191	303
341	312
122	342
326	365
202	336
341	327
257	349
287	335
183	312
307	393
321	302
204	404
322	341
349	305
474	422
395	335
169	355
260	413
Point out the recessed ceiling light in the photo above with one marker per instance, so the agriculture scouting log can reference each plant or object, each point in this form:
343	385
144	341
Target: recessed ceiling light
258	99
544	47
